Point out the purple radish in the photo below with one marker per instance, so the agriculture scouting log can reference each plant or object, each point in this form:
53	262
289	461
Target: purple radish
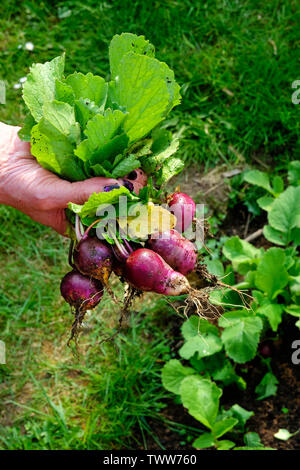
184	208
176	250
147	271
81	292
92	257
120	258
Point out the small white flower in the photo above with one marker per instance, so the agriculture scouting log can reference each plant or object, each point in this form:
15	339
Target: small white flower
29	46
23	79
17	86
20	46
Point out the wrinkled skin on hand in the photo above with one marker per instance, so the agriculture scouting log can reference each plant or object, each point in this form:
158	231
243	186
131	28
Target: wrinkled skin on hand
37	192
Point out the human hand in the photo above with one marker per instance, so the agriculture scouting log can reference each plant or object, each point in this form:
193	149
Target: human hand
37	192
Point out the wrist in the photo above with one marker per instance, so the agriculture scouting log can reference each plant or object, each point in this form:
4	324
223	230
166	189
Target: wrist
8	136
4	196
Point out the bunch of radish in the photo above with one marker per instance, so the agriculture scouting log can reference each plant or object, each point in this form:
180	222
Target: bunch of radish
158	265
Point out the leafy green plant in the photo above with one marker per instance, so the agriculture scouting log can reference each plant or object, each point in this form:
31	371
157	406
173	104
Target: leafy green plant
262	188
282	205
82	126
196	385
273	277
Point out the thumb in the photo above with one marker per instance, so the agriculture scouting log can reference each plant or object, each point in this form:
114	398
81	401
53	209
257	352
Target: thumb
80	191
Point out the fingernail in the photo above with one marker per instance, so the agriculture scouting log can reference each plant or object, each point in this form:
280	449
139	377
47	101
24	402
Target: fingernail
110	187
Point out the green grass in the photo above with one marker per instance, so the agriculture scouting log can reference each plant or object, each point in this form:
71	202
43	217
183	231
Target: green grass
50	399
236	61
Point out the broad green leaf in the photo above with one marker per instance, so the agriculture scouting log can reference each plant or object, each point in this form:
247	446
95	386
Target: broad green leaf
85	110
293	309
215	267
201	398
76	208
252	442
55	152
162	154
99	170
295	236
90	207
267	387
275	236
112	154
295	285
258	178
170	168
285	212
271	275
204	441
294	173
64	92
39	87
273	312
283	434
161	140
242	254
199	365
225	372
221	427
241	414
278	184
25	132
163	146
252	439
88	86
291	260
241	335
141	148
204	345
124	43
261	447
172	375
265	202
195	326
141	88
125	166
225	445
99	131
62	117
226	297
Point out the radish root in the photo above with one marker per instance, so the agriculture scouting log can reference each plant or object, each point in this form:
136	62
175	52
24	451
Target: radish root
129	295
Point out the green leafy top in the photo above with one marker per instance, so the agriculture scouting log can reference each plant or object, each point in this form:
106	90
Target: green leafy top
282	205
81	126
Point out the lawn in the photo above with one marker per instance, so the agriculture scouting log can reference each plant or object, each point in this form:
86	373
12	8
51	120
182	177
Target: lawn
236	62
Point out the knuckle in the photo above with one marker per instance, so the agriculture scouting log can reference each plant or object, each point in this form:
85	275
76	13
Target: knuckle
42	202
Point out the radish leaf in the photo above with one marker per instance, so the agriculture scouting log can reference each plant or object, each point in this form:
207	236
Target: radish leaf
39	87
